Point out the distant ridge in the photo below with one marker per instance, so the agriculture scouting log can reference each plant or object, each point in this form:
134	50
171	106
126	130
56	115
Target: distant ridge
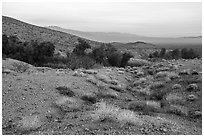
127	38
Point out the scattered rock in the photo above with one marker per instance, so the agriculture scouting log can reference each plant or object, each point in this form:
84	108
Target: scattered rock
7	71
92	79
176	86
191	97
119	88
78	74
90	71
192	87
184	72
121	72
194	72
114	82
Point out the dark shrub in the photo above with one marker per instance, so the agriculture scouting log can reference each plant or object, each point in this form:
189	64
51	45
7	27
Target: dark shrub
81	47
65	91
89	99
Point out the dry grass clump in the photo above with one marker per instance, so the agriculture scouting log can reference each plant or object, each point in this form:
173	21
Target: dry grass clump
114	113
29	123
146	107
138	62
21	67
174	98
143	91
103	78
178	110
107	93
68	103
163	74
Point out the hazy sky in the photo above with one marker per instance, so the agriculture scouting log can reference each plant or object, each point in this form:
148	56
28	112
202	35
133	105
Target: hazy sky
149	19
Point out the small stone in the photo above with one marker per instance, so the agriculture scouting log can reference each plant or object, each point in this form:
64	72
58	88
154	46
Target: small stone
191	97
176	86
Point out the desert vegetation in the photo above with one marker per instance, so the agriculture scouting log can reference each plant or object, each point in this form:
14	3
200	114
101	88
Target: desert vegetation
82	56
98	90
183	53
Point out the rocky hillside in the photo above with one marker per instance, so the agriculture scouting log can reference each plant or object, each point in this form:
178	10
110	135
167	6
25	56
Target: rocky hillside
161	98
26	32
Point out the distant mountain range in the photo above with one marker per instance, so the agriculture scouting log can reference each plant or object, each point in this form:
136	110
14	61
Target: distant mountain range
125	37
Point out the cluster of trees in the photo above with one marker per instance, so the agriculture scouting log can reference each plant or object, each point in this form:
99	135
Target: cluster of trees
42	54
31	52
175	54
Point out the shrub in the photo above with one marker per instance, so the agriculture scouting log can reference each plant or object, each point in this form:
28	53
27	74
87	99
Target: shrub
114	59
137	106
89	99
81	47
157	94
125	58
65	91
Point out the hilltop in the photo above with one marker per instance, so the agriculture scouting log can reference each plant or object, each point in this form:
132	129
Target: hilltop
27	32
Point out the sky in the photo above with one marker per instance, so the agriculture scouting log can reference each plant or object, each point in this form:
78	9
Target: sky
175	19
